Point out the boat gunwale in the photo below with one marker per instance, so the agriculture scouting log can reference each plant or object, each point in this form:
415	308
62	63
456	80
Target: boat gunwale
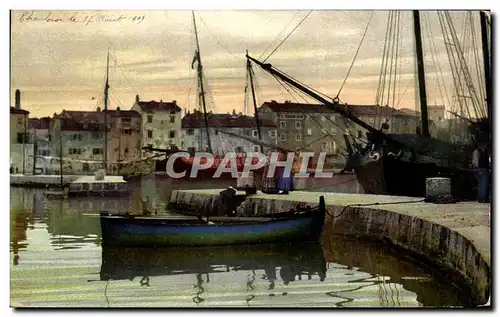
222	221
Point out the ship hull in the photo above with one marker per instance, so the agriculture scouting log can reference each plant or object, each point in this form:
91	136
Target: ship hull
392	176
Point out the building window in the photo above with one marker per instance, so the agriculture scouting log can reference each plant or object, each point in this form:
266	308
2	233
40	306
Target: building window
150	118
172	111
272	133
360	134
96	135
255	133
189	131
20	138
171	134
43	152
126	120
309	132
20	120
75	151
283	136
97	151
256	148
162	122
150	134
125	151
298	137
299	116
76	137
238	149
216	132
172	119
127	131
298	125
282	116
282	124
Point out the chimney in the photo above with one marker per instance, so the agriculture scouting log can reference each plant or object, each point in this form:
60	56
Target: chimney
18	99
98	109
118	109
234	112
174	102
137	98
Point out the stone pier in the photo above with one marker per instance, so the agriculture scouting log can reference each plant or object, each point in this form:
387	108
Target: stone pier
454	238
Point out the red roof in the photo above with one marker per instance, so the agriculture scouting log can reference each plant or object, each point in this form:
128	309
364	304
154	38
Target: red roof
150	106
358	110
39	123
18	111
197	120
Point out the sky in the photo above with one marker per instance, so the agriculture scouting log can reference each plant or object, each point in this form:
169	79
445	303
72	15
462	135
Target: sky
58	58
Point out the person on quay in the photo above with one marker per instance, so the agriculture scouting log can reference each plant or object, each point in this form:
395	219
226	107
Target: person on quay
481	163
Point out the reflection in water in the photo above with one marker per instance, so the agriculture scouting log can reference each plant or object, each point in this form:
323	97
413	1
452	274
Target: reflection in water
65	243
119	263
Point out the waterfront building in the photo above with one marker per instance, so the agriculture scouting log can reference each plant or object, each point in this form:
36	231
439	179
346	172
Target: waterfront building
21	151
194	135
161	124
83	139
317	128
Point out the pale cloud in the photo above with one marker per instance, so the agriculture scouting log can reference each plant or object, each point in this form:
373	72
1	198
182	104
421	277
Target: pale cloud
62	65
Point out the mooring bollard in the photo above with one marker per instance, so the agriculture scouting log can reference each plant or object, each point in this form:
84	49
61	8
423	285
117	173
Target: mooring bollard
437	187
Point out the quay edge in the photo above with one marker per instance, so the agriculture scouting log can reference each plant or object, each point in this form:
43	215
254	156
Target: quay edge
452	238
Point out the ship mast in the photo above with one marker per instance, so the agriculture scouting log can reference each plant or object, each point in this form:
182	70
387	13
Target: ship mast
486	61
200	82
256	113
421	73
106	99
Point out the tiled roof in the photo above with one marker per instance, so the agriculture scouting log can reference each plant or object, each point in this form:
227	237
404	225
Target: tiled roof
359	110
150	106
18	111
196	120
39	123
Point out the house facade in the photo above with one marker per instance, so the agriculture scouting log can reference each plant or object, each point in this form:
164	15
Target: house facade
83	139
194	134
161	124
21	150
317	128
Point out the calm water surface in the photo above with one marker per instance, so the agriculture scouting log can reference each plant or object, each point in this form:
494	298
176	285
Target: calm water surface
57	261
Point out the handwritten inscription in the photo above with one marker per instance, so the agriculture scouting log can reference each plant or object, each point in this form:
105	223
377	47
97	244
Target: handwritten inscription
79	18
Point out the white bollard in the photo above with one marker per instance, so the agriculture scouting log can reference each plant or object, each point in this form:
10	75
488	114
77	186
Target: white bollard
437	186
99	175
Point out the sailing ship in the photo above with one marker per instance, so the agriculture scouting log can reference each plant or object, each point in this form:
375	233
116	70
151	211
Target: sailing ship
398	164
186	164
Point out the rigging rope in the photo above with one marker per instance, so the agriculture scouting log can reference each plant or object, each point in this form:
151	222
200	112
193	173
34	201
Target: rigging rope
377	98
215	37
301	21
279	34
355	55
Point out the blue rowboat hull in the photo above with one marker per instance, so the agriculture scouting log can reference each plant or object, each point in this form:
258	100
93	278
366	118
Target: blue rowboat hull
129	231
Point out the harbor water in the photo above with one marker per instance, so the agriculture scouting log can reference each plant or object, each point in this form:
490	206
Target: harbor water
56	260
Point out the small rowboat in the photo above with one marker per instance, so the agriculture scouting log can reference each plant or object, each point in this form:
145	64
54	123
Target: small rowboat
302	225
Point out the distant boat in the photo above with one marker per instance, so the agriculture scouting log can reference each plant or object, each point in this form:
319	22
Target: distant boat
302	225
57	193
